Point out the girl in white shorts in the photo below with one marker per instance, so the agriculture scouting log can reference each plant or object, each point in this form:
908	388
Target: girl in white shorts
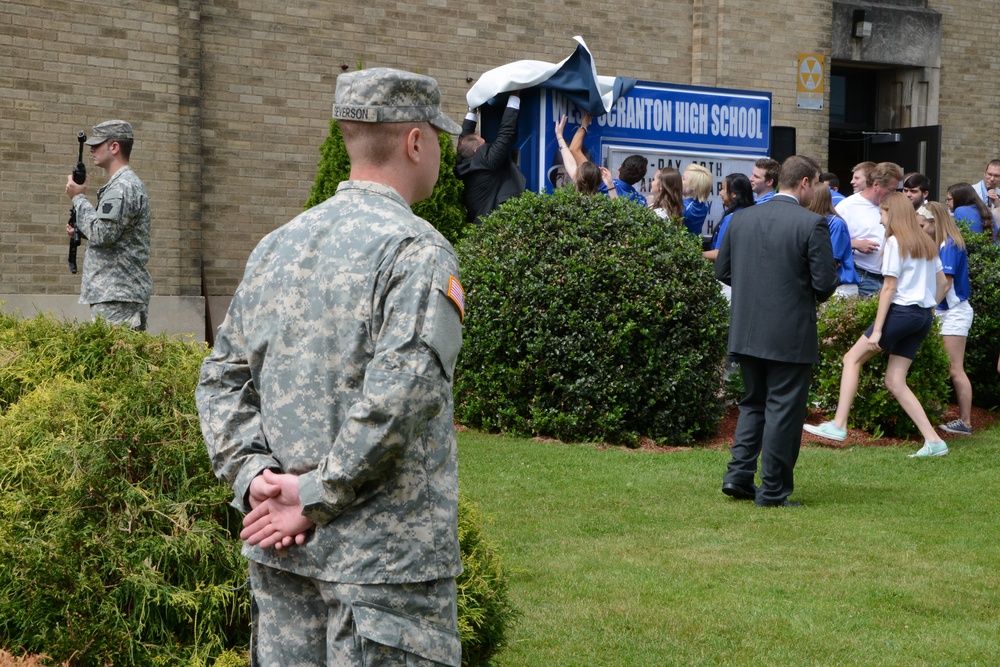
954	313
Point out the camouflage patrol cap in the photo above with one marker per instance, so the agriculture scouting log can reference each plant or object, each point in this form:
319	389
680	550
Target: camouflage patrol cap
383	95
110	129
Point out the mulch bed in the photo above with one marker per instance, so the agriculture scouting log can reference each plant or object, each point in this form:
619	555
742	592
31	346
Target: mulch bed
8	660
723	438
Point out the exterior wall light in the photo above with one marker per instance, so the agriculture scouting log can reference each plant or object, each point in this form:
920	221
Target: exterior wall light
862	27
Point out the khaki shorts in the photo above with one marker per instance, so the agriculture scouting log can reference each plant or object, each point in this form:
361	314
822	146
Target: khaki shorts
956	321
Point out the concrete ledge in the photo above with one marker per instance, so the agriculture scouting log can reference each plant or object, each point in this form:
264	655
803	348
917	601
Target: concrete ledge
217	307
167	314
905	34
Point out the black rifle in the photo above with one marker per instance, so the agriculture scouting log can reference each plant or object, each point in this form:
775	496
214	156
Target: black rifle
79	176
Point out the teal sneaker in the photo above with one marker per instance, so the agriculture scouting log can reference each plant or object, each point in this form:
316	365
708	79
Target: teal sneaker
827	430
931	449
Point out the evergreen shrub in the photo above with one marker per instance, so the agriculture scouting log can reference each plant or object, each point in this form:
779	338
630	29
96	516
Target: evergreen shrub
444	209
117	544
484	610
589	319
983	344
841	322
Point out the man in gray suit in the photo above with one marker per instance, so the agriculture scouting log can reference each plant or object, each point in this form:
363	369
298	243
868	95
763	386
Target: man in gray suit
779	261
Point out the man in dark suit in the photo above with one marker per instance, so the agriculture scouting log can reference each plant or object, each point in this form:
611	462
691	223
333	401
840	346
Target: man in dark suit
487	169
779	261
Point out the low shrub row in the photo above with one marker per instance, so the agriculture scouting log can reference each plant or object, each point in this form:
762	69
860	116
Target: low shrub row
117	544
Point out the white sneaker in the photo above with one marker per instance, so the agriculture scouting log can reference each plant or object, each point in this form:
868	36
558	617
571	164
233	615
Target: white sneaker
931	449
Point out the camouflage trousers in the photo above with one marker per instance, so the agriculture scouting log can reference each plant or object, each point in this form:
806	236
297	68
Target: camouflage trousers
300	622
132	315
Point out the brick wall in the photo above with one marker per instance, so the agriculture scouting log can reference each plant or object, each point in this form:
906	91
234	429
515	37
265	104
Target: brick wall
970	97
231	98
64	67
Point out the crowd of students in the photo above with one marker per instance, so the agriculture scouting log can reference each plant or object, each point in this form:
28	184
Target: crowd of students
915	260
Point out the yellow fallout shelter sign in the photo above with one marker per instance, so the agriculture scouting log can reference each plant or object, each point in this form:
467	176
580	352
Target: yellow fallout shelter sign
811	82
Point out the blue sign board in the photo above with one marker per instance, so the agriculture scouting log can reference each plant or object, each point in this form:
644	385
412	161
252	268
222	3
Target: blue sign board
723	130
701	119
698	124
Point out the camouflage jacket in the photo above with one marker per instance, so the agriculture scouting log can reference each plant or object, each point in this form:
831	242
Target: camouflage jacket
117	231
335	363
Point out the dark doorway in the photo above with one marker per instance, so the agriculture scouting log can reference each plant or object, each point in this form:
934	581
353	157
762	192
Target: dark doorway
913	149
855	136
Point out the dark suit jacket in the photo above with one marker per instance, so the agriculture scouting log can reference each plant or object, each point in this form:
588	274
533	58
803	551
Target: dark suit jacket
490	175
779	260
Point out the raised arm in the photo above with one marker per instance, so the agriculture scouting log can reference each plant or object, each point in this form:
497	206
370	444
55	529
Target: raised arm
609	183
569	162
576	146
498	152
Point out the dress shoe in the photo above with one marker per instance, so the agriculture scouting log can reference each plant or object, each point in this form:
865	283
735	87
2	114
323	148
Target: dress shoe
783	503
738	492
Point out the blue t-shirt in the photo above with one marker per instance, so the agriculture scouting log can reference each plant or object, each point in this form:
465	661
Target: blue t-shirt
970	214
956	264
840	238
720	231
695	213
624	190
836	197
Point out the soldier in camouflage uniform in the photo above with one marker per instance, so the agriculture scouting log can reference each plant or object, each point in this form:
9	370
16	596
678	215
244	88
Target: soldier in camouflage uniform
115	281
327	404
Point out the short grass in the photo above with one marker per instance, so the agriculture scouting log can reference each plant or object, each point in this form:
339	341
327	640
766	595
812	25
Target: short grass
636	558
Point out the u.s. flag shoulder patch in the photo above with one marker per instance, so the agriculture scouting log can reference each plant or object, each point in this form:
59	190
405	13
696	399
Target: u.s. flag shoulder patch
457	295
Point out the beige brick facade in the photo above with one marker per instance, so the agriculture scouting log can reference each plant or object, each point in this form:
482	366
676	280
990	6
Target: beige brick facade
231	99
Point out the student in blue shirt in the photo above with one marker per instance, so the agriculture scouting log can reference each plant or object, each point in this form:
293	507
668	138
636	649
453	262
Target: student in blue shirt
697	181
764	179
966	205
632	171
840	237
833	182
954	312
736	195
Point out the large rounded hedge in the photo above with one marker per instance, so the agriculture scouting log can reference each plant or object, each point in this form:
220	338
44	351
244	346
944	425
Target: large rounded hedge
117	544
875	410
589	319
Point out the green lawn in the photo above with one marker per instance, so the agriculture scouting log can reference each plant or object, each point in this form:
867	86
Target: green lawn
636	558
